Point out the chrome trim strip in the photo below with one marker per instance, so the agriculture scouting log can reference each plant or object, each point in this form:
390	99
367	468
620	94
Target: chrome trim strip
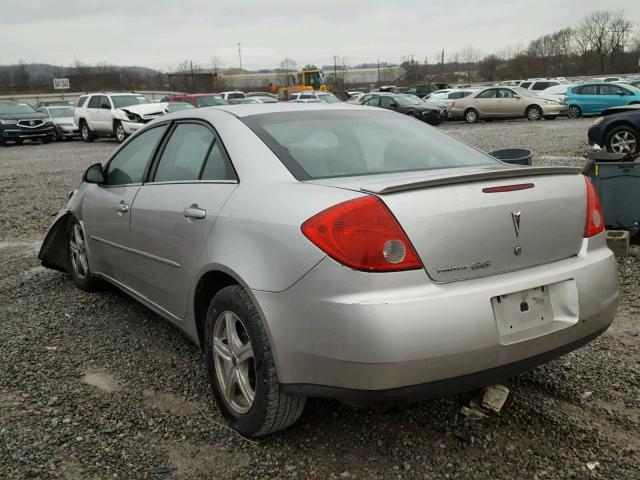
192	182
137	252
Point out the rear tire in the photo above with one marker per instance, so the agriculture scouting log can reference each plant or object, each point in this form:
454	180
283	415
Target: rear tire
471	115
78	261
86	133
622	139
533	113
254	404
574	112
46	140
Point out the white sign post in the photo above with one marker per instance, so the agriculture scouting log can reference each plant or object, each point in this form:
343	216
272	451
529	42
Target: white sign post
61	84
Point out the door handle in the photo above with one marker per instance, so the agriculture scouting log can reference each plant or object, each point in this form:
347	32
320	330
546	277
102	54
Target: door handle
194	212
122	208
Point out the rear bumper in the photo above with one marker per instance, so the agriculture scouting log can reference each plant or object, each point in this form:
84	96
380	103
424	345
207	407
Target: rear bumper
555	110
337	328
439	388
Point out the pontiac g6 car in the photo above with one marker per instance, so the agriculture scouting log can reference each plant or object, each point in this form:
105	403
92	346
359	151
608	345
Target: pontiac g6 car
340	251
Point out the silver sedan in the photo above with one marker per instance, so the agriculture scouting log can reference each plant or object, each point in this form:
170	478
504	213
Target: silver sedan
339	251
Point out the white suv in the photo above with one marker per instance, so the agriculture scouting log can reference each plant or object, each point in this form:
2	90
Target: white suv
114	114
232	94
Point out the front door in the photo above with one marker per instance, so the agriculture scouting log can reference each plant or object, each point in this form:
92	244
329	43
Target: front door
485	102
174	214
509	104
106	208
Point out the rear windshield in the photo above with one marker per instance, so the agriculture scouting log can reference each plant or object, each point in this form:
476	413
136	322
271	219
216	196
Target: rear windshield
328	144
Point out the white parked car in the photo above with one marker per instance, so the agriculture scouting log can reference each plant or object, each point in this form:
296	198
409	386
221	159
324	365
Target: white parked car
310	96
438	94
232	94
62	118
558	91
114	114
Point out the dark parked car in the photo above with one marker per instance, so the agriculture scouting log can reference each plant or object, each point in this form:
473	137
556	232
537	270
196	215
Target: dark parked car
20	122
55	103
617	130
422	90
409	105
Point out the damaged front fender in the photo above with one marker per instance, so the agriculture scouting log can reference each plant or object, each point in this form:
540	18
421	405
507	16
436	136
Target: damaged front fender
54	252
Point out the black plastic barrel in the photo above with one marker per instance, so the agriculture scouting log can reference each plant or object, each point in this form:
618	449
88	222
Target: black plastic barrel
516	156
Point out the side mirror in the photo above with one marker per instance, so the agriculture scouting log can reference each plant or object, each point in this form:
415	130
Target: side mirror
94	174
621	94
394	105
517	97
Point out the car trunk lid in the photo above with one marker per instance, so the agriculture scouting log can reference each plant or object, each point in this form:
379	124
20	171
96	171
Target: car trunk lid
464	226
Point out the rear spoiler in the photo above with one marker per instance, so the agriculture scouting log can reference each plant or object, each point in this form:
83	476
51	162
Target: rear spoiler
400	185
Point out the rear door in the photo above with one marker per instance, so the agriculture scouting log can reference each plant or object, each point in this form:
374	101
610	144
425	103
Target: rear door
93	112
106	208
173	214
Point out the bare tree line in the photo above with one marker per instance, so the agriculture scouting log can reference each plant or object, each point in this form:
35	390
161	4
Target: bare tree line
603	42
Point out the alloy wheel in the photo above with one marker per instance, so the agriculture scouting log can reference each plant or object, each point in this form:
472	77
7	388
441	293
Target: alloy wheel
534	113
234	362
623	142
471	116
84	131
78	250
120	135
574	112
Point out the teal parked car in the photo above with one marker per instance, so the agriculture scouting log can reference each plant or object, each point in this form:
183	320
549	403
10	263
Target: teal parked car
593	98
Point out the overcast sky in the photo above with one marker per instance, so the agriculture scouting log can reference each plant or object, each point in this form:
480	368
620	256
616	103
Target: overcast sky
163	33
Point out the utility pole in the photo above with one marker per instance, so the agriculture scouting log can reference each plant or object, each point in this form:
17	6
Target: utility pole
335	71
378	73
192	83
240	55
442	62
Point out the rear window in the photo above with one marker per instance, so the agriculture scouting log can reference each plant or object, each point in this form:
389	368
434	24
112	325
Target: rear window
81	102
326	144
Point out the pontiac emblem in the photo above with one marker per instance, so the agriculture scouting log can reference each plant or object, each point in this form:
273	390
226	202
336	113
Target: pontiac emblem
516	221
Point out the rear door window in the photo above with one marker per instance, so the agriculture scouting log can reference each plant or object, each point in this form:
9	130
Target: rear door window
81	102
94	102
488	94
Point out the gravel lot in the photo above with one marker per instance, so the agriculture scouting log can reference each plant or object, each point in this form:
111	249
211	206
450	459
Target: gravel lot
96	386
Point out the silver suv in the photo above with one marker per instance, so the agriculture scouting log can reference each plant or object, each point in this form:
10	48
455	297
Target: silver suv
114	114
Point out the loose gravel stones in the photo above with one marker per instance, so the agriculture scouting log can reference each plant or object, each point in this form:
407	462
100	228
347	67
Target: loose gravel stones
96	386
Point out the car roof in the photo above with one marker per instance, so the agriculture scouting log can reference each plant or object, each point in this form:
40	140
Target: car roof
280	107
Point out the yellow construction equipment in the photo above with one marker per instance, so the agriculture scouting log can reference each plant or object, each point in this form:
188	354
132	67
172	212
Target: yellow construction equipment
309	78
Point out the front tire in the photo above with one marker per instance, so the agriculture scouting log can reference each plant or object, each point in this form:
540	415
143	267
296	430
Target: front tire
119	133
574	112
622	139
241	367
533	113
78	265
471	116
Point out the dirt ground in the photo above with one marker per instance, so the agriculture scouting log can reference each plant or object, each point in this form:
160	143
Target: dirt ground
95	386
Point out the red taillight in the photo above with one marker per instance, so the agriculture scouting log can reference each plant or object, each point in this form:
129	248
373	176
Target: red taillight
595	220
362	234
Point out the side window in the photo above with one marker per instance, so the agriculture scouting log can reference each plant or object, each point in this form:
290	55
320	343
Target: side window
412	90
525	84
184	153
81	102
105	102
130	163
386	102
505	93
488	94
373	102
94	102
586	90
217	166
